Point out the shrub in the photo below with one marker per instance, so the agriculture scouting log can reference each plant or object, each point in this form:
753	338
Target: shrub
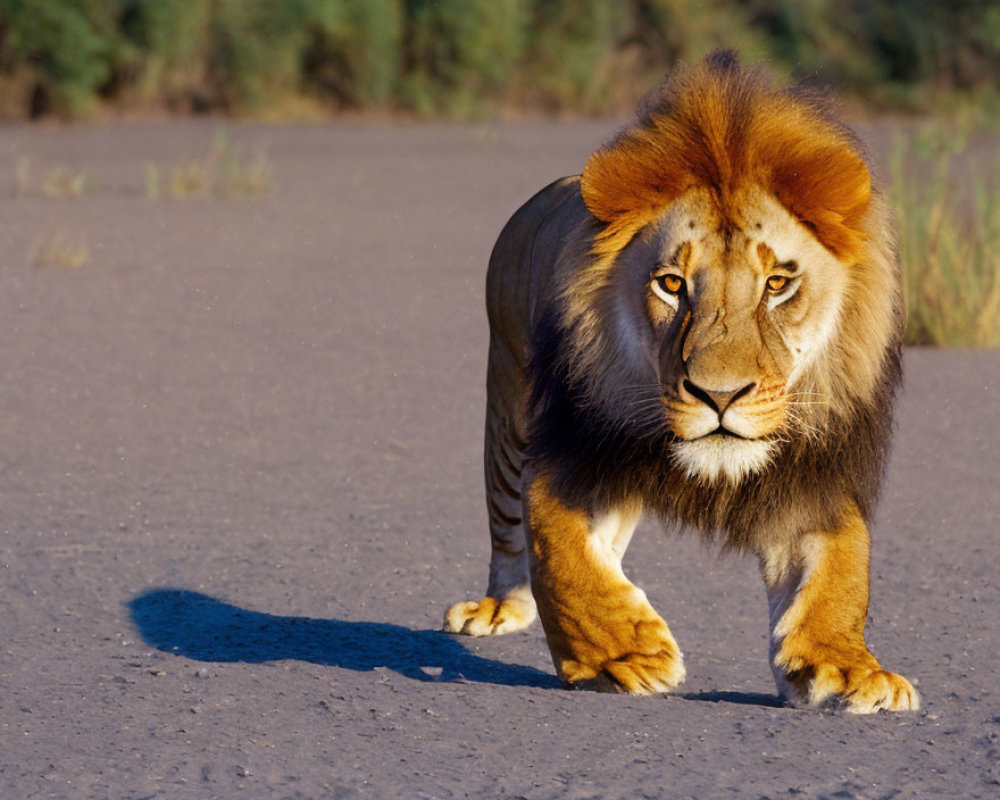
467	56
246	54
571	48
895	52
457	52
949	227
67	49
167	52
353	53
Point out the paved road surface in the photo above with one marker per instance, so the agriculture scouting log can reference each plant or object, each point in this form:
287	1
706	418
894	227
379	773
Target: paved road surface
240	468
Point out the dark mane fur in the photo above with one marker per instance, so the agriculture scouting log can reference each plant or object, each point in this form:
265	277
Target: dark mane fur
599	463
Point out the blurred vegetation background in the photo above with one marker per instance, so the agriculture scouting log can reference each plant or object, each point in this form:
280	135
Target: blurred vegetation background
467	58
307	59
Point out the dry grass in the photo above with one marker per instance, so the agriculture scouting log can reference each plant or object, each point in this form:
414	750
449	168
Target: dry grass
60	251
225	171
949	226
59	181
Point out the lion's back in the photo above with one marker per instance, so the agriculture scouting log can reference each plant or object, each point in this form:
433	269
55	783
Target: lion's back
519	282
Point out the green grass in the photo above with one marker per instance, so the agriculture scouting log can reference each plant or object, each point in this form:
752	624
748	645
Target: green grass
948	203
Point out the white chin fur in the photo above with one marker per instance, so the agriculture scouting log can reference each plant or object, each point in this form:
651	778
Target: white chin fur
716	456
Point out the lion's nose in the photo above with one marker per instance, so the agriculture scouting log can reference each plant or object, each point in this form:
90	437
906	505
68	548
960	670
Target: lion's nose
716	399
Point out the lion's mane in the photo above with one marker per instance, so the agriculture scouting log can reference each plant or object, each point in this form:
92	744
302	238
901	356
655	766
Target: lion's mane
723	128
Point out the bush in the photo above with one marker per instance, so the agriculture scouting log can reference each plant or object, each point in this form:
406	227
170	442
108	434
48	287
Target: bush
243	55
167	45
66	49
469	56
949	238
893	52
353	55
571	48
460	52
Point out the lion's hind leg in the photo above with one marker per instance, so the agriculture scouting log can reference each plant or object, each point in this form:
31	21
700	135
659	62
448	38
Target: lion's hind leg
508	605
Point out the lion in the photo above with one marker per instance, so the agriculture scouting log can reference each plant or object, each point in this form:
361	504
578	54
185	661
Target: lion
704	326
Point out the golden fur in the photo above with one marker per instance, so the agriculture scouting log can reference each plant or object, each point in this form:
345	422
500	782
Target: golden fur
705	326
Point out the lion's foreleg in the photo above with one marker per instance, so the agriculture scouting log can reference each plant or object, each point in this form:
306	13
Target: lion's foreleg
601	629
817	593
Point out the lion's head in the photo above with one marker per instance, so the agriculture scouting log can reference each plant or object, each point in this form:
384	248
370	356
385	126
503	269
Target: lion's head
741	299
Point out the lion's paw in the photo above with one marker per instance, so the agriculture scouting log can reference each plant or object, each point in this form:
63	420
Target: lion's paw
490	616
657	668
857	690
634	673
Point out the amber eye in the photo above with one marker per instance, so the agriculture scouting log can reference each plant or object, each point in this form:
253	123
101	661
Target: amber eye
671	284
776	283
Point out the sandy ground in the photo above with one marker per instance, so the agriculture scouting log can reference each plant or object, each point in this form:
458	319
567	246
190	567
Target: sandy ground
240	467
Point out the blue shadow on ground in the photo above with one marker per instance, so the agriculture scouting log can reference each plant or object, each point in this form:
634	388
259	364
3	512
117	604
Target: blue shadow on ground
205	629
739	698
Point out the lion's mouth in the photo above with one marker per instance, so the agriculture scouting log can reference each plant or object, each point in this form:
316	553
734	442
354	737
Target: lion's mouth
721	431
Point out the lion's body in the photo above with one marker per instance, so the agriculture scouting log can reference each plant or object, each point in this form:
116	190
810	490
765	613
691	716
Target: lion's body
705	326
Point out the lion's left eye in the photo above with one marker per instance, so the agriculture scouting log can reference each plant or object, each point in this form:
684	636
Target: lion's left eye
776	283
779	288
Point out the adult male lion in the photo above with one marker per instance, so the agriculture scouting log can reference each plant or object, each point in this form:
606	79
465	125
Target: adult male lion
706	324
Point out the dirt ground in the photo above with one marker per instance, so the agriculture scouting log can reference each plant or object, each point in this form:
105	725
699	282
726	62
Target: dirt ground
240	467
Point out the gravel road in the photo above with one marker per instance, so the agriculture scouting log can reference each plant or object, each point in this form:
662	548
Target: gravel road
241	471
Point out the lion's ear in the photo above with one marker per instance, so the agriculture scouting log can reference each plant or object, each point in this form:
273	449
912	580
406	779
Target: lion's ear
828	187
598	175
638	172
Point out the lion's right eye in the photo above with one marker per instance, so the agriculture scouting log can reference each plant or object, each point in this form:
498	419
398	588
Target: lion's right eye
668	287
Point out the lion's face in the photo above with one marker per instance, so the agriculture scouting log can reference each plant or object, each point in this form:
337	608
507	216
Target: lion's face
737	310
739	298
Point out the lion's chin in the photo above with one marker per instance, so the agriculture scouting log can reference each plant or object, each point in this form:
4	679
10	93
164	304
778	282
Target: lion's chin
718	456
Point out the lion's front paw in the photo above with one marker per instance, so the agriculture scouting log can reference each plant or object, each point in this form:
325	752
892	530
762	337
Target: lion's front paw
635	673
862	689
646	661
490	616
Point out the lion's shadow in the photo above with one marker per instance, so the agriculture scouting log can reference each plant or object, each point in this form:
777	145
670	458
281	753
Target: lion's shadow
202	628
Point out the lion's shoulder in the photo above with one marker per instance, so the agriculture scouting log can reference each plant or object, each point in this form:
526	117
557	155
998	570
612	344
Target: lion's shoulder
519	279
